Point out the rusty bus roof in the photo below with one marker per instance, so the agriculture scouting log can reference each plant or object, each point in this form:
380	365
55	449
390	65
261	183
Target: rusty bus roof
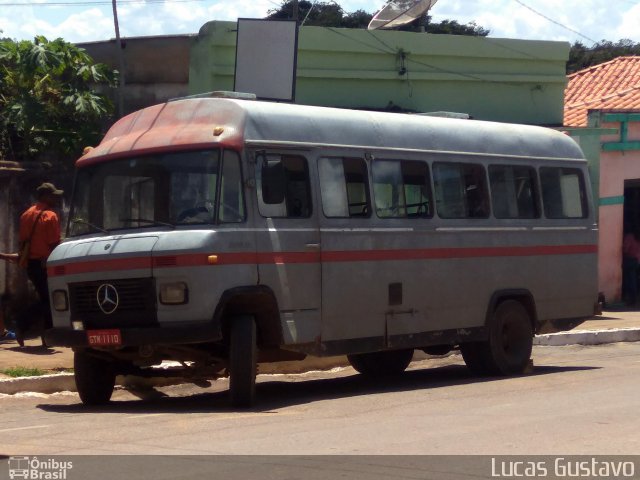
200	123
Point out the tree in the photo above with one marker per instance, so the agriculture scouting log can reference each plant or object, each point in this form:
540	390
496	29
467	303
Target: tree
452	27
357	19
48	105
330	14
581	57
320	14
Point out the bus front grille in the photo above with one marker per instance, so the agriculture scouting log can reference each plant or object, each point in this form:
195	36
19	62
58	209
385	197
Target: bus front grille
114	303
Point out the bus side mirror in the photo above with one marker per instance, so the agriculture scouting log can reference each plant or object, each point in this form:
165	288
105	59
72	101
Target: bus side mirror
273	182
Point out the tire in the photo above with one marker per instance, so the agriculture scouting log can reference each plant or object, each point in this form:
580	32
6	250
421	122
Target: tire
95	378
473	355
380	364
508	349
243	354
437	349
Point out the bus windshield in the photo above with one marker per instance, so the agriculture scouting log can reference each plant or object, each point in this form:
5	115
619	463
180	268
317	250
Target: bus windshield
169	190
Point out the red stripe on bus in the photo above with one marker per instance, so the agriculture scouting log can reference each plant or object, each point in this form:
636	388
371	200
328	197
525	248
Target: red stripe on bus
285	258
441	253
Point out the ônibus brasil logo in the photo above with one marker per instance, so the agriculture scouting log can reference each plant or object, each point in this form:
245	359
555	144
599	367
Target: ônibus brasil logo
32	468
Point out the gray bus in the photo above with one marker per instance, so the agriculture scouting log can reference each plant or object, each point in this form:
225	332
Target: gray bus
221	233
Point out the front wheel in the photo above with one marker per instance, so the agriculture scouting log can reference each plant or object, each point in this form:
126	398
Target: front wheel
95	378
243	357
377	364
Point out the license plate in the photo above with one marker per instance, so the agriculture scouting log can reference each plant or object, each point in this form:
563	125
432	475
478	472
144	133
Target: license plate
104	337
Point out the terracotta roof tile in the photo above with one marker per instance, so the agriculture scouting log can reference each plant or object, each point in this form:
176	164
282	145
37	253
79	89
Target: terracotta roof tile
611	85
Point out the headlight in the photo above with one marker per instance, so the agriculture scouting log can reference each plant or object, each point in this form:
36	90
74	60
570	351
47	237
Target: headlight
175	293
60	301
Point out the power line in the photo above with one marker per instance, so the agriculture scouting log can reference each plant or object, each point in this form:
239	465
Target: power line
86	3
554	21
388	49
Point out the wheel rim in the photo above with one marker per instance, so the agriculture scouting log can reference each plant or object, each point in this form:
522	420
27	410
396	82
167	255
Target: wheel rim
514	340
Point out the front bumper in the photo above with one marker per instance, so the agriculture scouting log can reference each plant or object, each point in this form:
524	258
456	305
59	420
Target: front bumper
134	337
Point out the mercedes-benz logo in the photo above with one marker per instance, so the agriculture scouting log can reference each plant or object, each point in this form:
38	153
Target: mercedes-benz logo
107	297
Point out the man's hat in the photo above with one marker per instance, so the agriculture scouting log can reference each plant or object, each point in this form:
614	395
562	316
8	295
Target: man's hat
49	188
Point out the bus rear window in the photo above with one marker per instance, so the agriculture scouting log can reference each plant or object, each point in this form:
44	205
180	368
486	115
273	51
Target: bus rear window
563	192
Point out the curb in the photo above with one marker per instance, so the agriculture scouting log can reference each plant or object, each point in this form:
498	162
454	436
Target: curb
61	382
65	381
58	382
588	337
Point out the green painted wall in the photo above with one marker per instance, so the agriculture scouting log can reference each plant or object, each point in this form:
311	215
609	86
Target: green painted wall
493	79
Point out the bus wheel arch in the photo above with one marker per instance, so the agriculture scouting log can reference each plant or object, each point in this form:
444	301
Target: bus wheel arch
259	302
510	327
522	296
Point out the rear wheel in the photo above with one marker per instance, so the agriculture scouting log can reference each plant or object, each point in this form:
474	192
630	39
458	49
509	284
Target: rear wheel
381	363
242	361
508	349
473	355
95	378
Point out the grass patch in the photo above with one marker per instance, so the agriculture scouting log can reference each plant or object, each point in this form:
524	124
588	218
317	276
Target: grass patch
23	372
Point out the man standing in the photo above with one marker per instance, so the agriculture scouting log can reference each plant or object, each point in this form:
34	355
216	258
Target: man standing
40	227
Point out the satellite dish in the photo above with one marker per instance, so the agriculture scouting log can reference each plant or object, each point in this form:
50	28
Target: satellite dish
399	12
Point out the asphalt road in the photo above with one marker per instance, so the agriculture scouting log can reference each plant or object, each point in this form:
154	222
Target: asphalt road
578	400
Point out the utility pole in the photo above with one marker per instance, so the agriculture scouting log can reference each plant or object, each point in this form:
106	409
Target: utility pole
295	10
120	57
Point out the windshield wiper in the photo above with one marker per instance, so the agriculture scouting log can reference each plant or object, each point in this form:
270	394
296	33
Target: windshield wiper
146	220
84	222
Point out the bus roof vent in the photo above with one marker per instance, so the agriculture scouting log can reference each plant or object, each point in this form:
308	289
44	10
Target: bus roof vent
219	94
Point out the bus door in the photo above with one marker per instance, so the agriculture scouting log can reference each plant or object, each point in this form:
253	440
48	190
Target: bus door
353	296
288	241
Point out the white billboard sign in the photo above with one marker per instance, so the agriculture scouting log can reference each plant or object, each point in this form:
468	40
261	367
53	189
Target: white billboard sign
266	52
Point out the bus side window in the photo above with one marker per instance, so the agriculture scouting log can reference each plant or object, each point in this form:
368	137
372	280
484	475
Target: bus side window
513	191
344	186
401	189
563	192
231	198
461	190
283	186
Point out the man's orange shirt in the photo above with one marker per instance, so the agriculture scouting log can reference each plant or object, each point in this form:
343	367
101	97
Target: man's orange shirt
46	234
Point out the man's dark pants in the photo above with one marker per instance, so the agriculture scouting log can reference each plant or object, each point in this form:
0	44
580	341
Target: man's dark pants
37	273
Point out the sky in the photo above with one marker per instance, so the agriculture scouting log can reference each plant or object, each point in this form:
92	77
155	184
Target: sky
76	21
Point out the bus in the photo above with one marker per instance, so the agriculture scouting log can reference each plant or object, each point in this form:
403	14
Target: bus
223	232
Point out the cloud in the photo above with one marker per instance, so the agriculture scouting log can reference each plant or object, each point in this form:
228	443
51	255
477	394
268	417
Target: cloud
628	27
225	10
505	18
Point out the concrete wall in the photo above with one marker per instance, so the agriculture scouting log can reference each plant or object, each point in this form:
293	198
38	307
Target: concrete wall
615	168
610	169
156	68
18	183
495	79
